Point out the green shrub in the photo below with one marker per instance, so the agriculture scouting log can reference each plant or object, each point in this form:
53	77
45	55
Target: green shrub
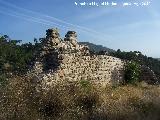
3	80
85	85
132	72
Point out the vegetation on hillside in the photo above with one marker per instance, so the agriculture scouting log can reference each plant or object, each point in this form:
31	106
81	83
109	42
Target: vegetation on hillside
22	100
15	58
97	48
139	58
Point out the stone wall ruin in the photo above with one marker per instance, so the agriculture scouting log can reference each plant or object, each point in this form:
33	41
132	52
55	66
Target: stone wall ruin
66	60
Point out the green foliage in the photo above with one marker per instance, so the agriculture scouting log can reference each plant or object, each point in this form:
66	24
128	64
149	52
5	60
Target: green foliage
132	72
3	80
85	85
137	56
132	55
14	57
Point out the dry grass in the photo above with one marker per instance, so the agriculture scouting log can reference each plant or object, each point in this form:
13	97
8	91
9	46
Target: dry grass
78	101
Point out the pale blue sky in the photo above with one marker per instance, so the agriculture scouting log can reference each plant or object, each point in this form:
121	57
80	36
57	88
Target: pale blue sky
128	28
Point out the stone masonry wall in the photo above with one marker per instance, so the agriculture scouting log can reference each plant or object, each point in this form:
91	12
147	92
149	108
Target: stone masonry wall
95	68
68	61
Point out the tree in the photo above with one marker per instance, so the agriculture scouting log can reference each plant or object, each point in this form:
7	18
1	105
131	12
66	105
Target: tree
132	72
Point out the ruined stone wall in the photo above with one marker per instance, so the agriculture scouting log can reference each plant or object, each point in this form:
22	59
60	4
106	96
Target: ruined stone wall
99	69
68	61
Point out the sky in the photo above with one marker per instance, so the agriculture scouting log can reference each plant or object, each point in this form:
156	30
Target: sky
129	28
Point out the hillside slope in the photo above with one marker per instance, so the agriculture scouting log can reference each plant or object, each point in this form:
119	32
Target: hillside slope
96	48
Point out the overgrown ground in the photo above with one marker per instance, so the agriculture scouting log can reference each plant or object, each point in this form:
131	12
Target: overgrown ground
20	100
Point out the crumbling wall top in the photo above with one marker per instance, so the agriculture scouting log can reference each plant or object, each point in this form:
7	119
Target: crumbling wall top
53	43
52	33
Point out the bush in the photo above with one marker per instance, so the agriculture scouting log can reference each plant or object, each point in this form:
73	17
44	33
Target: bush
3	80
132	72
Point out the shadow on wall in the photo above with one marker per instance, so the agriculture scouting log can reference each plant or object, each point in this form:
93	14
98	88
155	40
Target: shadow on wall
115	76
51	62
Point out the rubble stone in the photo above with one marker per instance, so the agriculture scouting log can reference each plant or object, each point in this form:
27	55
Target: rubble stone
66	60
